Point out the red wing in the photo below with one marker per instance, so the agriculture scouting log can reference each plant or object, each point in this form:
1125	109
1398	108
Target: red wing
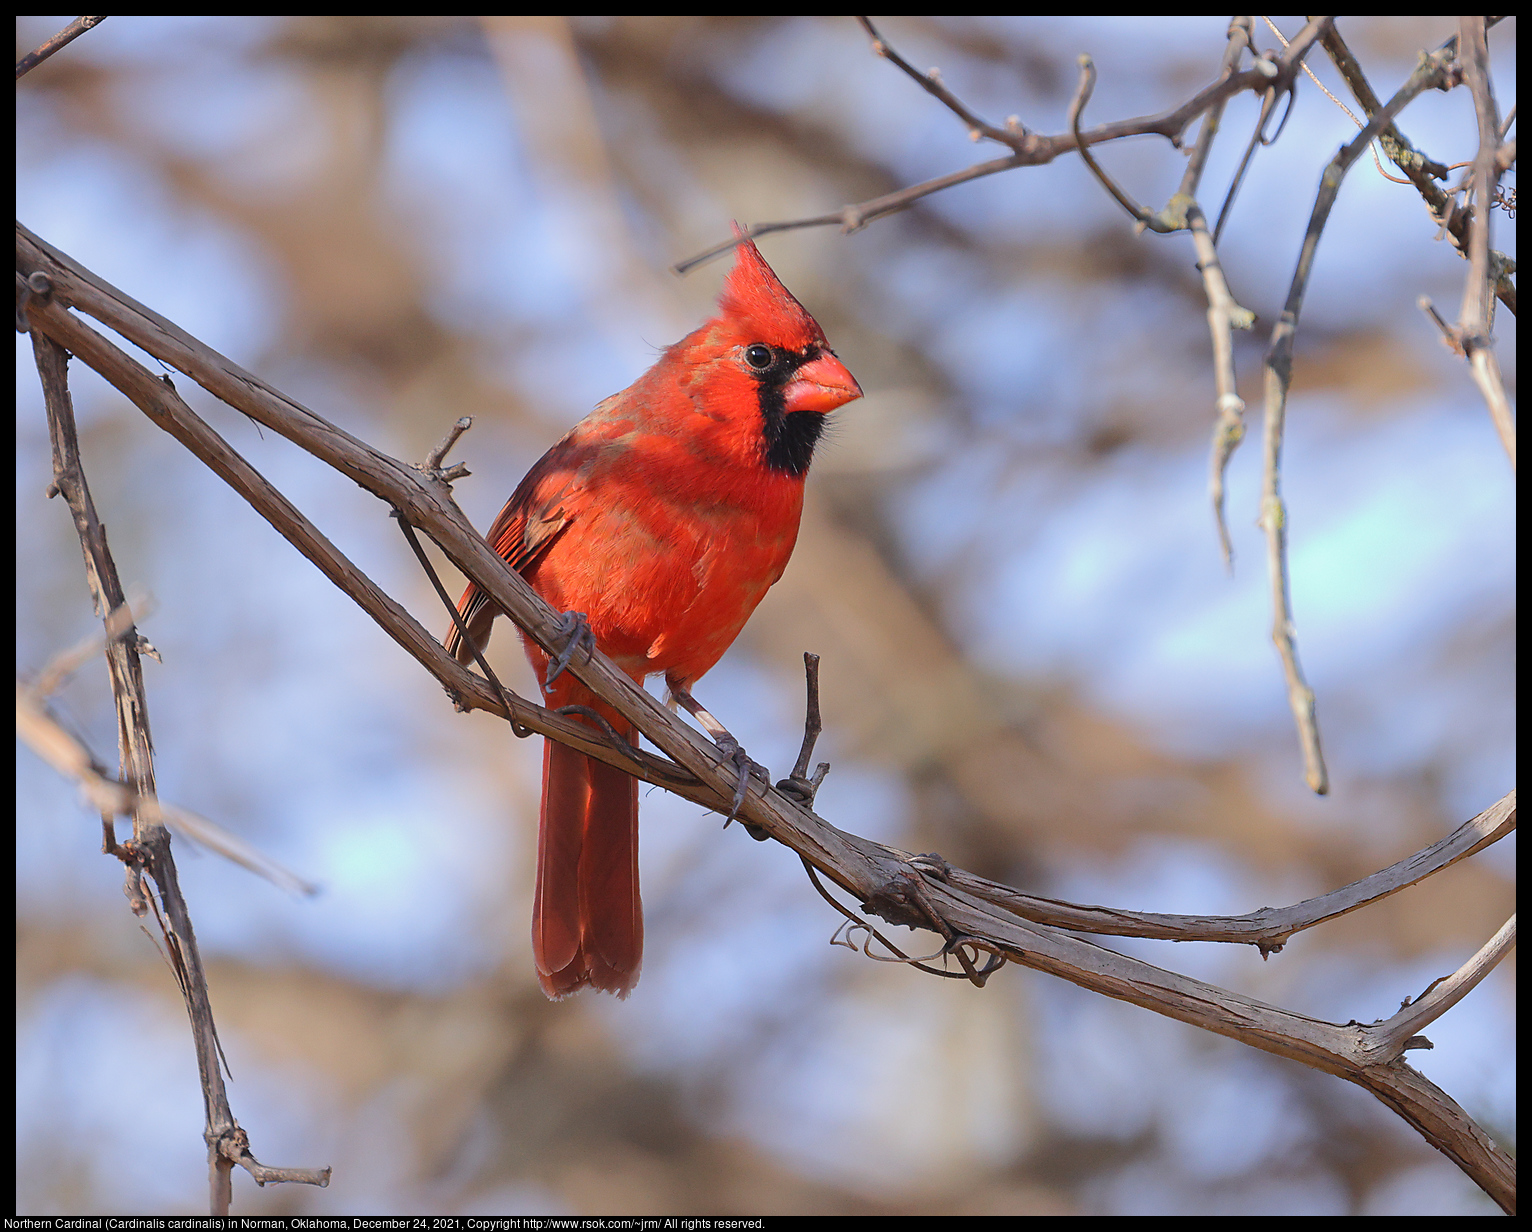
533	518
539	511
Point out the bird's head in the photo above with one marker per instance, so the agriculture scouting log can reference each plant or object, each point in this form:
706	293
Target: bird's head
764	361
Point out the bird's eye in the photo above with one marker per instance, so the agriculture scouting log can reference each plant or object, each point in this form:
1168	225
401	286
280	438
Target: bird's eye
758	356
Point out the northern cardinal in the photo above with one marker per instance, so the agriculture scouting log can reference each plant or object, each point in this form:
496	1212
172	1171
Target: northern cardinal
663	517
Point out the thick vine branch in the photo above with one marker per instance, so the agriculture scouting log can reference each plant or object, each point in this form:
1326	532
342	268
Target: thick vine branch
879	877
1270	927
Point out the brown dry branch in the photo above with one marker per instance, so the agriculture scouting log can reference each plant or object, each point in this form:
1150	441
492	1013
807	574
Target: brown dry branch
1029	149
1431	72
1270	927
1144	217
118	622
1257	139
42	731
1225	315
62	39
932	83
148	852
1474	332
1274	77
914	891
1422	171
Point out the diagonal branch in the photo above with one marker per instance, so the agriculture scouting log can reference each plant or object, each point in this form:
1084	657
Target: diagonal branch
1446	992
45	735
922	893
933	85
59	41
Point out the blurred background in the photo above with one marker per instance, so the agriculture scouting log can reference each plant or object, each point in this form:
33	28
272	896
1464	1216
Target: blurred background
1034	661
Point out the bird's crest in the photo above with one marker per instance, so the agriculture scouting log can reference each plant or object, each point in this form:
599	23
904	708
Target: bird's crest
755	297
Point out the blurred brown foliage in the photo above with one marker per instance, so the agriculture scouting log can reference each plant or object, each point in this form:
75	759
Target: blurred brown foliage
494	1091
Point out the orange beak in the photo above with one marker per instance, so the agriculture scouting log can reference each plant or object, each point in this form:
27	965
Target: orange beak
820	385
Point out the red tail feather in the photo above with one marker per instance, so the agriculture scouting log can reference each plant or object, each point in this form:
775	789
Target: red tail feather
587	918
664	516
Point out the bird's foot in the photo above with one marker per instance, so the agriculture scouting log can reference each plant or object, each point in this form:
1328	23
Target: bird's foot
577	632
734	754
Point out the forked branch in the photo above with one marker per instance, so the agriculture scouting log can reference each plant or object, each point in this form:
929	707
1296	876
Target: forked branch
923	892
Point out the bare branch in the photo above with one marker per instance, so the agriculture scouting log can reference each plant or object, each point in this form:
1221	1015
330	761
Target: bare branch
1032	149
932	83
62	39
1270	927
1475	321
40	729
853	218
1224	313
1239	41
119	621
877	876
1144	217
1445	993
1279	361
433	466
149	850
1423	172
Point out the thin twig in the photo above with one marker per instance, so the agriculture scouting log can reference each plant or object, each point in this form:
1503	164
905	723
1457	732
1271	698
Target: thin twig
1283	73
64	37
852	218
512	703
1224	314
1270	928
1087	84
998	960
1031	150
1279	363
1239	41
1350	115
1421	171
46	736
812	723
1257	139
1474	332
932	83
119	621
1485	368
433	466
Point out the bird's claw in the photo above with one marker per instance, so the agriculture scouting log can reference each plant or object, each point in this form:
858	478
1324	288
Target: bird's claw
577	632
734	754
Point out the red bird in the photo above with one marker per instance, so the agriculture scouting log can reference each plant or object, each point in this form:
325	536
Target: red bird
663	517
